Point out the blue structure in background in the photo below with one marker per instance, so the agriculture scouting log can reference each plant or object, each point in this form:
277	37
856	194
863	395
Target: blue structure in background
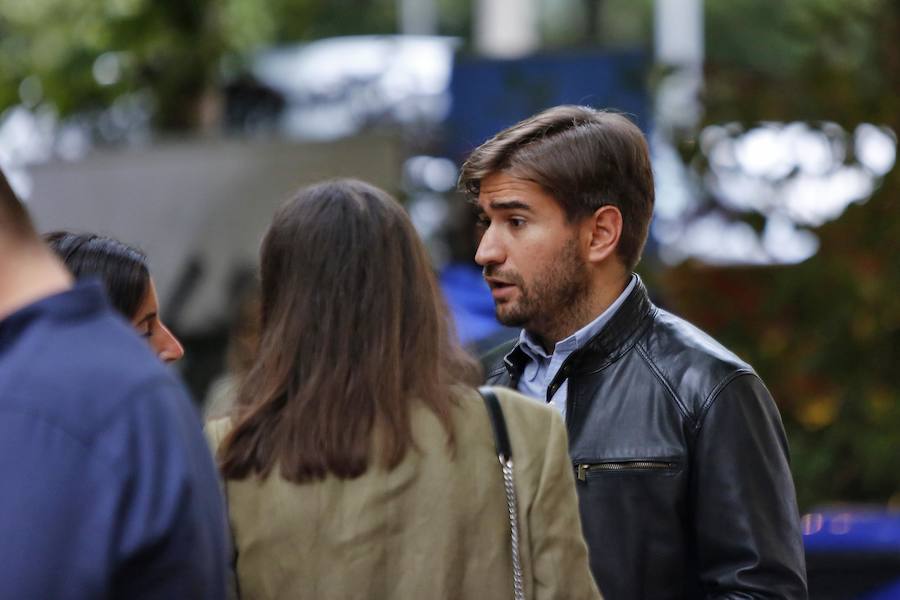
489	95
853	553
470	302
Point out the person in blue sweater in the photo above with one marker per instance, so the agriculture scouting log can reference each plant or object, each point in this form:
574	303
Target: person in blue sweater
108	489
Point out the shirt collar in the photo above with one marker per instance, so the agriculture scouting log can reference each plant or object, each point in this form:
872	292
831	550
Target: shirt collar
535	351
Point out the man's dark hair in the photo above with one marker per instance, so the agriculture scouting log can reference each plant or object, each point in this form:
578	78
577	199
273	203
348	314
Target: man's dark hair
13	216
583	157
122	268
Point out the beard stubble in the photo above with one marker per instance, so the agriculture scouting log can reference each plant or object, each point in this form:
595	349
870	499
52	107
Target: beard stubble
553	299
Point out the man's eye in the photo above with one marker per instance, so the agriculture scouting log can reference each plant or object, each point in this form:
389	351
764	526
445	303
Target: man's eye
483	222
517	222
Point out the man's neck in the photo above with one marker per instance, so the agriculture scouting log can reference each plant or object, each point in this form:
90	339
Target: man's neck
28	273
597	300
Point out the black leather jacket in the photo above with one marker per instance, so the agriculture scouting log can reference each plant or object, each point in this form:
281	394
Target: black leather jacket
681	462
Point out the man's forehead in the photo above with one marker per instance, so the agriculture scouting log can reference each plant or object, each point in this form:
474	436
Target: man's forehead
504	183
500	189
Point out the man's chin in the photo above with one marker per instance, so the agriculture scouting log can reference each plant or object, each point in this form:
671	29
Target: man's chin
510	318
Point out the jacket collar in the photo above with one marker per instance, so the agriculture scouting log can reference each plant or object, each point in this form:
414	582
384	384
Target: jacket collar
613	340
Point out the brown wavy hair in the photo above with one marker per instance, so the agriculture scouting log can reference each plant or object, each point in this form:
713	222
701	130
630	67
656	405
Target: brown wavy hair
354	331
585	158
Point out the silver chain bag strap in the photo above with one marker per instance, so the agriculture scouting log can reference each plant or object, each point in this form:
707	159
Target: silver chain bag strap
504	454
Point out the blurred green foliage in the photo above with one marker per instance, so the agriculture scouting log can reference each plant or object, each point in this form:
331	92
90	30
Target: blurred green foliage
824	334
174	51
167	47
177	53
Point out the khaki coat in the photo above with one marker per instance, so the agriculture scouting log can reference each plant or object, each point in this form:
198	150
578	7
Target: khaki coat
434	527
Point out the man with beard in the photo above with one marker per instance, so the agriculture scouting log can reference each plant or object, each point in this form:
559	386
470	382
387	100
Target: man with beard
679	451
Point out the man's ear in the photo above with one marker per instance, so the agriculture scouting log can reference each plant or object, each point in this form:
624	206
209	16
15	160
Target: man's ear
606	228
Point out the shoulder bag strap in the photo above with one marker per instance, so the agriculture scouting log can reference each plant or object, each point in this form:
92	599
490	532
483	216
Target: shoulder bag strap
504	454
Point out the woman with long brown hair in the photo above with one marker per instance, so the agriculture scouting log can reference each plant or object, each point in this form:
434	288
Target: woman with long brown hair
360	461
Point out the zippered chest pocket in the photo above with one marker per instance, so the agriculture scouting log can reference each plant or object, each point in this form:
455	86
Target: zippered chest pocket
660	466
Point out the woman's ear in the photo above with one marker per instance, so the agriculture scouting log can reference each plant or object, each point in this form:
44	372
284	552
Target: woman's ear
606	228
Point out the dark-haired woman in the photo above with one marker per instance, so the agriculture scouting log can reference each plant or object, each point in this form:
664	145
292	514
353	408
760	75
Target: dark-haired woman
360	462
124	273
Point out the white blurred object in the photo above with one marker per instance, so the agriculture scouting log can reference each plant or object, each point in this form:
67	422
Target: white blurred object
678	32
673	196
334	87
718	241
431	173
26	138
793	174
679	47
31	136
428	212
785	243
763	152
506	28
107	68
715	240
876	148
814	201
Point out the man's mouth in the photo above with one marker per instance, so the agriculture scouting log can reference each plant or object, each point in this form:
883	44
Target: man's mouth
495	283
500	289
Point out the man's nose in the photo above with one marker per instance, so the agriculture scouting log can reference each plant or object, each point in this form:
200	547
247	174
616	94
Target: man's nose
171	348
490	250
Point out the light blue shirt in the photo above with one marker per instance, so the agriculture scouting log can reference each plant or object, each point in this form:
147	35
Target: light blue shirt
542	368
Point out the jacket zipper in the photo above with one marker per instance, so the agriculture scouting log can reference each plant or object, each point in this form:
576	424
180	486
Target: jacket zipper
627	465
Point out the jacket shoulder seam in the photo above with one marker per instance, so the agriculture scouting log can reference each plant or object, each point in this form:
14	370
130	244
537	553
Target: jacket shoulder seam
714	394
665	382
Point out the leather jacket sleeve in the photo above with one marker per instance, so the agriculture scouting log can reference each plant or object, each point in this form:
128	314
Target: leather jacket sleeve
745	516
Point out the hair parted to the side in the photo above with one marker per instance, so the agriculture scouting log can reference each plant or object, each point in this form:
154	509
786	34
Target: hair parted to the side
122	268
354	332
585	158
14	219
